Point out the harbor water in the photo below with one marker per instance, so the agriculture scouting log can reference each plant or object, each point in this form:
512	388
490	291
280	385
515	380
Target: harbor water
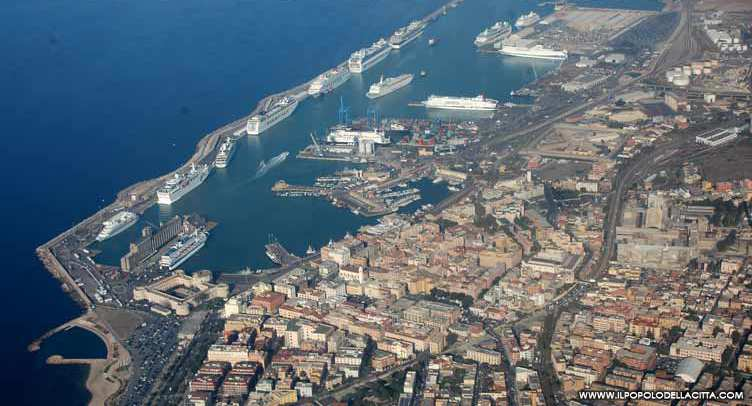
99	95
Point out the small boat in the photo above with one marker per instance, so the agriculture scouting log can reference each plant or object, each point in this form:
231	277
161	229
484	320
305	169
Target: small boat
431	42
310	250
423	73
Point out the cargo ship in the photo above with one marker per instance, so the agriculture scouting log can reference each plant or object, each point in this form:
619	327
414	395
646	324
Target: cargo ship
363	59
536	52
328	81
478	103
493	34
267	118
385	86
184	248
527	20
117	224
179	185
405	35
226	150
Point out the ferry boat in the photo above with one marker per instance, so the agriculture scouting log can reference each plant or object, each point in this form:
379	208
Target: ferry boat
264	166
527	20
493	34
405	35
117	224
478	103
536	52
184	248
226	150
267	118
385	86
342	134
328	81
363	59
179	185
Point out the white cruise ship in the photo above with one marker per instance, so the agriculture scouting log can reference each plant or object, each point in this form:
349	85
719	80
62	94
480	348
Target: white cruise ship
184	248
527	20
491	35
478	103
277	112
537	52
385	86
225	153
179	185
363	59
405	35
117	224
342	134
328	81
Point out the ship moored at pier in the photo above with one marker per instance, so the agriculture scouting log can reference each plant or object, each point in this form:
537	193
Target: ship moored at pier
478	103
407	34
267	118
117	224
180	184
329	80
226	150
535	52
496	32
365	58
527	20
184	248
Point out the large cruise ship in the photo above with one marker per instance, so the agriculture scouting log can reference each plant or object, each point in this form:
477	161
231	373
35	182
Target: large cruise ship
527	20
225	153
478	103
329	80
537	52
341	134
385	86
117	224
405	35
491	35
278	111
363	59
184	248
179	185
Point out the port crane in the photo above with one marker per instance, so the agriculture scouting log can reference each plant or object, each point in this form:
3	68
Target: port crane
316	146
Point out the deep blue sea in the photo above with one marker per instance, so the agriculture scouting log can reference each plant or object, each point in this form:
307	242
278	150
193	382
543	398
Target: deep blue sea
96	95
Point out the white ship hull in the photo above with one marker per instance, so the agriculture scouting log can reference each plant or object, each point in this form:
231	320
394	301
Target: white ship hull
384	88
534	53
412	37
478	103
493	34
330	81
117	229
260	123
369	61
350	136
170	197
196	243
225	155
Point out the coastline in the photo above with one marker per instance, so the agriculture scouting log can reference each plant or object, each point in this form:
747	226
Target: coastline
103	384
